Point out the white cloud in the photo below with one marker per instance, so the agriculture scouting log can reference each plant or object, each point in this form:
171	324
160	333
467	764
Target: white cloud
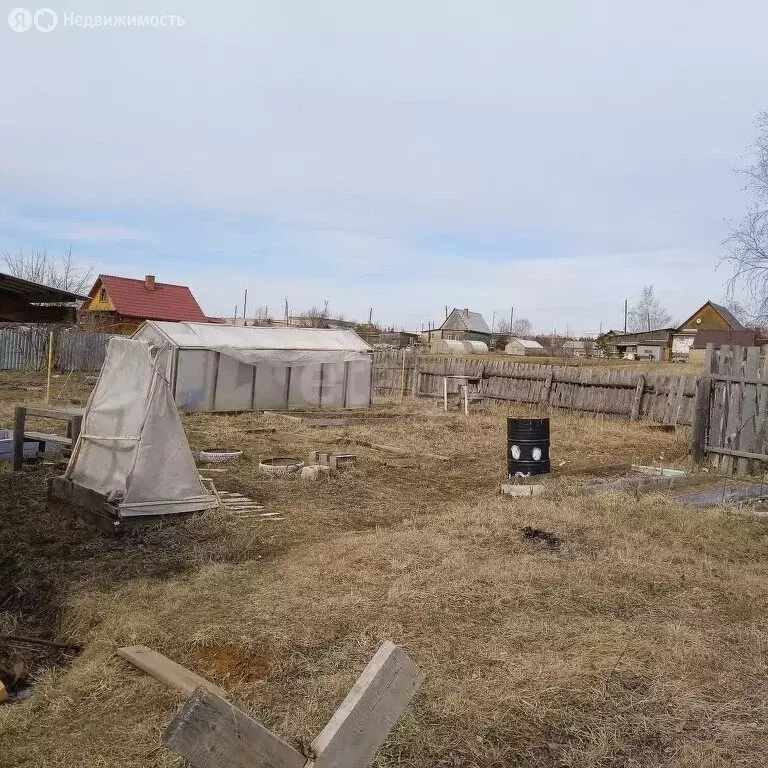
92	232
608	129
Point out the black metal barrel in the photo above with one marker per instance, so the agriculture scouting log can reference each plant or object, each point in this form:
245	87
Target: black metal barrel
527	446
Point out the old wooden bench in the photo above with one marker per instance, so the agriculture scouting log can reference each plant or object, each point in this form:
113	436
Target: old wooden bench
73	417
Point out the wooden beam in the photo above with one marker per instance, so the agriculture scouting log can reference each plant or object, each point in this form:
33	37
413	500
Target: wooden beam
399	451
362	723
734	378
211	733
740	454
167	671
701	408
29	313
19	419
547	388
54	413
637	402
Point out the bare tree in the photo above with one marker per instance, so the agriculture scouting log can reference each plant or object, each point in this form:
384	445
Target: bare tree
522	327
747	244
261	316
61	271
648	314
314	317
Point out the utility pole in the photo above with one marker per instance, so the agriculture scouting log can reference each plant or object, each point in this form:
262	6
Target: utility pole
245	304
446	311
370	316
235	314
286	311
493	322
625	315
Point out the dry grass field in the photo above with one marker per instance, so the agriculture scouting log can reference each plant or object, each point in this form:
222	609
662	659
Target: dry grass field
639	641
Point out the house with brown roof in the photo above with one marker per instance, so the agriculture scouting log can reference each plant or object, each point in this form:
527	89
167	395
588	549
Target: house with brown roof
122	304
718	339
709	317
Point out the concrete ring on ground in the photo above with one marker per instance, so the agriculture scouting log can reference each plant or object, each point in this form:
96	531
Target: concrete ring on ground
281	465
218	455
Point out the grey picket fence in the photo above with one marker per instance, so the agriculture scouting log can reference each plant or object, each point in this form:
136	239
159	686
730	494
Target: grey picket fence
660	398
25	348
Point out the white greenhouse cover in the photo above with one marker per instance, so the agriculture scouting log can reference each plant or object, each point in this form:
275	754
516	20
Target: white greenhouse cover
277	346
132	446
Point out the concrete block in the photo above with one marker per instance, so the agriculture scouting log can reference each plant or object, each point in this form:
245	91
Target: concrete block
509	489
342	460
310	473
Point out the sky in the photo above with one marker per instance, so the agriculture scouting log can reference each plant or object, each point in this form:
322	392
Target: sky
551	157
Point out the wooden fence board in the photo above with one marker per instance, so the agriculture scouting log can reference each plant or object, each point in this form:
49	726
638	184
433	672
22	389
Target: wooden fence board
579	389
746	437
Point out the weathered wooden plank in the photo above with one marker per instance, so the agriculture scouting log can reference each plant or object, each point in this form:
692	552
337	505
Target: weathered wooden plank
702	407
746	435
637	401
669	400
677	407
761	427
211	733
733	409
361	724
719	410
547	389
44	437
731	452
19	420
738	378
166	670
54	413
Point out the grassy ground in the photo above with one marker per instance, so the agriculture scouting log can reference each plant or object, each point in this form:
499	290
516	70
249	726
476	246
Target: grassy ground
639	641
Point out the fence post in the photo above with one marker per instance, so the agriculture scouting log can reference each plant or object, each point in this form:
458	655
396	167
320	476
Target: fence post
50	368
544	400
19	420
416	374
701	408
638	401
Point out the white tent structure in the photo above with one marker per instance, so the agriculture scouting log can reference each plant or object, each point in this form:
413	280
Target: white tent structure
212	367
132	449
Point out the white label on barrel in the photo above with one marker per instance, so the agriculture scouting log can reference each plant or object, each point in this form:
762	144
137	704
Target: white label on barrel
536	453
515	452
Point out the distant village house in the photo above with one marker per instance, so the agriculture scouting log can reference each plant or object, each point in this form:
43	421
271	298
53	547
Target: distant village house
524	347
463	325
709	317
122	304
579	348
645	345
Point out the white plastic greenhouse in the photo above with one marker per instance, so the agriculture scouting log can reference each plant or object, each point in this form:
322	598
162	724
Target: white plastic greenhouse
132	458
212	367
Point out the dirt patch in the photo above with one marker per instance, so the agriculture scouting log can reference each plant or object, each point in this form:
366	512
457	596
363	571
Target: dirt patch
545	537
233	663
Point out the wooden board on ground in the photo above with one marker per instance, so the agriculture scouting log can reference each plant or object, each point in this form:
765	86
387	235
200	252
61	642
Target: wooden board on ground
167	671
361	724
211	733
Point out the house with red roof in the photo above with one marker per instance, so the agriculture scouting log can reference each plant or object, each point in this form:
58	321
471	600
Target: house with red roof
122	304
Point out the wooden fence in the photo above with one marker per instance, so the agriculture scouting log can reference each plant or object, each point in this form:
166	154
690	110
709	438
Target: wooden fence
25	348
731	412
637	395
